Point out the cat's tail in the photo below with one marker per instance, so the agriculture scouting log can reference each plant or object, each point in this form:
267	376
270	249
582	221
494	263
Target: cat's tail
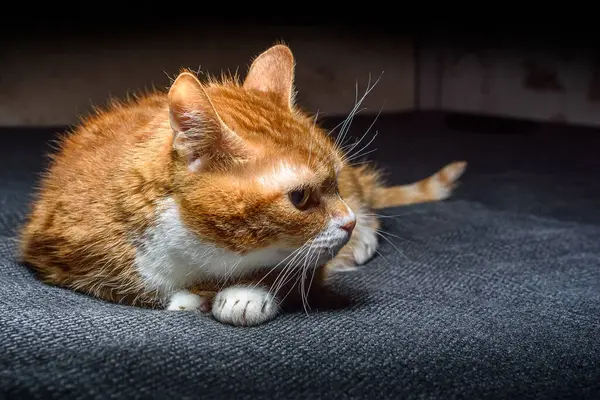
436	187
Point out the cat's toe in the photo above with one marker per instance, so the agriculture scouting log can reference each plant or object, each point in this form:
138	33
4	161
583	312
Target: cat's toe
244	306
187	301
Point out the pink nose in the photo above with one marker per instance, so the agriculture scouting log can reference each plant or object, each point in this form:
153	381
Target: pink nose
349	226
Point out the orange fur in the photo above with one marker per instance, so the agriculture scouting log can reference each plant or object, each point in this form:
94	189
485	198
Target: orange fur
227	154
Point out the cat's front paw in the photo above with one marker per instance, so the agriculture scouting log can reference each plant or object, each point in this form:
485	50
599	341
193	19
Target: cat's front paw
359	251
366	245
187	301
244	306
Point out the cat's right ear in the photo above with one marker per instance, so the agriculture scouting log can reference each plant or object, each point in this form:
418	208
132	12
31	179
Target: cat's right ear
199	132
273	72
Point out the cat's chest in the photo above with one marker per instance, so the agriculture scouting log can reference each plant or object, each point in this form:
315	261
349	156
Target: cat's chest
170	257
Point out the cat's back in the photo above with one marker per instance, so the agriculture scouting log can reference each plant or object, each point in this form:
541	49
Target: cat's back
87	173
91	199
101	144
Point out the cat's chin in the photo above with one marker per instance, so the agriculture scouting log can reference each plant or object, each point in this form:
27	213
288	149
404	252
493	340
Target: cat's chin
329	252
311	256
330	249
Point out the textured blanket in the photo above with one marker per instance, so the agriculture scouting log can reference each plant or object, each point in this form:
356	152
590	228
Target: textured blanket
493	293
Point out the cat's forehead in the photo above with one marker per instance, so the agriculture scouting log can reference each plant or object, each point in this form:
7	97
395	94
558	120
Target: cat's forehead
274	130
252	114
284	174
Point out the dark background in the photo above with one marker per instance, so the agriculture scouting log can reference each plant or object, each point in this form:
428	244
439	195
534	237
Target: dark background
54	70
491	294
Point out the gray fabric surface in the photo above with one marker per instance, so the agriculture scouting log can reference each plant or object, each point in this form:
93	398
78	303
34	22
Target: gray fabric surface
494	293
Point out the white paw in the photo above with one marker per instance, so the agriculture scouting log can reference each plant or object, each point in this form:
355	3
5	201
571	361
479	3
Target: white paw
341	265
186	301
366	246
244	306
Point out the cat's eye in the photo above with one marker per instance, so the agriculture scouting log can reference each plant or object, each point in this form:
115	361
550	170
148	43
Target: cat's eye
300	198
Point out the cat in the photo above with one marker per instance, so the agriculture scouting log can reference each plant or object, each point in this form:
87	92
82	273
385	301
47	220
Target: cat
190	198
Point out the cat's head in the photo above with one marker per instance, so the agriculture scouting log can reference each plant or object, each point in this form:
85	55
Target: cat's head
251	171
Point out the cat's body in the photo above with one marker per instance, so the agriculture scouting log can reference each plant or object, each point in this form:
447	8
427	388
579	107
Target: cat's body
188	199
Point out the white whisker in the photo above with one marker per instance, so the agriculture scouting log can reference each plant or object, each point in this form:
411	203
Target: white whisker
360	155
303	282
312	138
312	277
286	270
365	134
293	254
393	245
389	216
348	121
394	236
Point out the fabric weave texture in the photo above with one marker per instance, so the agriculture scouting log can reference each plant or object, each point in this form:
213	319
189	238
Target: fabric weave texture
494	293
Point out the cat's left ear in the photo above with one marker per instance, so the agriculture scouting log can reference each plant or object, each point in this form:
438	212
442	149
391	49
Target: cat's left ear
273	72
199	132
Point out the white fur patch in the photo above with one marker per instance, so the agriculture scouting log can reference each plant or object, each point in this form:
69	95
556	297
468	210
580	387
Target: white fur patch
172	258
186	301
437	188
363	247
284	177
351	216
194	165
244	306
366	239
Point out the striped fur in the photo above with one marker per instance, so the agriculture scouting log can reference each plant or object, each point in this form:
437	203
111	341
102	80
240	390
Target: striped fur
183	199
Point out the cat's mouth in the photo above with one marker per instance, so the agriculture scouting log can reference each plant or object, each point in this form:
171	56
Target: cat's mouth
316	252
331	248
335	249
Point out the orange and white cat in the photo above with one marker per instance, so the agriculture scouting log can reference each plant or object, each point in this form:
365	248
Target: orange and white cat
190	199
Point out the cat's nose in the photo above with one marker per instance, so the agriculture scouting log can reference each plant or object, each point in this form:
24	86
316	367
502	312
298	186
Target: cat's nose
349	226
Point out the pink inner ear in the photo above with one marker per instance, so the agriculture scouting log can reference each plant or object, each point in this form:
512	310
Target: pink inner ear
273	71
198	128
268	76
194	163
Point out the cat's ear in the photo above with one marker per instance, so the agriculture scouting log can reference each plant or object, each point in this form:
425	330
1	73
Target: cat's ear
273	72
199	132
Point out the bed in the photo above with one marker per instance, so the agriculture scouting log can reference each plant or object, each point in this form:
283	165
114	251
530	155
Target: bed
492	293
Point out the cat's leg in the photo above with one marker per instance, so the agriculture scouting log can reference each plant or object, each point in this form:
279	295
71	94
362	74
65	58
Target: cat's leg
361	247
186	300
245	305
366	238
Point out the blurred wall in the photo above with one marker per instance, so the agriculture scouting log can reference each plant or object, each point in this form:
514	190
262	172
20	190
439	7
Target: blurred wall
533	81
52	80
